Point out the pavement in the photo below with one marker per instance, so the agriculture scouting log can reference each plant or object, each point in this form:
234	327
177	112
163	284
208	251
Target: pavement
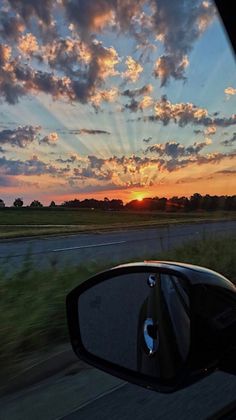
85	393
109	246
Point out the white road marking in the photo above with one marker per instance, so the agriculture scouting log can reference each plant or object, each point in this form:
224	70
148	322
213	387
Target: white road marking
88	246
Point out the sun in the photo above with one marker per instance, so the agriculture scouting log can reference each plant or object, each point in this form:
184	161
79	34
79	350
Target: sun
140	198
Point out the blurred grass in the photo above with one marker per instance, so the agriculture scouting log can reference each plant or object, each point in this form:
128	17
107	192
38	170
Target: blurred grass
22	222
33	318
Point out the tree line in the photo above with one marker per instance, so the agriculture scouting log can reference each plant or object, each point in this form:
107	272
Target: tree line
195	202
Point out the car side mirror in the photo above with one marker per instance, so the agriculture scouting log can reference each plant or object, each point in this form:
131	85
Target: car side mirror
160	325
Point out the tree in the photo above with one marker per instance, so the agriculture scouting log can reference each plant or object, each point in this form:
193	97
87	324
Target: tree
2	204
52	204
18	202
36	204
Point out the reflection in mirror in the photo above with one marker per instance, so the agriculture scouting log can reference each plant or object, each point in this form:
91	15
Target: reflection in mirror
139	321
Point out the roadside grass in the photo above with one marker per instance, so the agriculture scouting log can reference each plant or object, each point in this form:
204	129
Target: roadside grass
32	317
16	223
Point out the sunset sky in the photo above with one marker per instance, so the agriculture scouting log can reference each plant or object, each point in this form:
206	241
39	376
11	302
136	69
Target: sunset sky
115	98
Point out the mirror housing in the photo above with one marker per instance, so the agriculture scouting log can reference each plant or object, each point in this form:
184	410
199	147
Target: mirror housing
188	331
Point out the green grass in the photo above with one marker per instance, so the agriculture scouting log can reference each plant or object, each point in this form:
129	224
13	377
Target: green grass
32	316
20	222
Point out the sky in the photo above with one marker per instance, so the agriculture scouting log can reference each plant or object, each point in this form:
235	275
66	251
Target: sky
115	98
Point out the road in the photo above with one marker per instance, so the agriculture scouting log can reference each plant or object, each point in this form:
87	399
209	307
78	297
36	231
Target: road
90	394
102	247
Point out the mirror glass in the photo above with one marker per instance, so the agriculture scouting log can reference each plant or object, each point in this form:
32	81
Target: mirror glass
139	321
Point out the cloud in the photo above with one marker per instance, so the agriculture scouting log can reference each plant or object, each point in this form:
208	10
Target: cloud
186	113
176	150
178	25
76	68
134	69
139	105
81	83
92	132
147	140
11	27
169	66
92	17
28	44
71	159
144	170
210	131
84	131
227	172
6	181
23	136
175	164
20	137
183	113
132	93
13	181
51	139
230	91
100	96
187	180
229	142
30	8
30	167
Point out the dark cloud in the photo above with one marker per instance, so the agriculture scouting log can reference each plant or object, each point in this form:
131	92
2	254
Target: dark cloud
176	150
13	181
186	113
189	179
33	8
29	167
132	93
81	131
227	172
133	170
25	135
147	140
6	181
51	139
17	79
83	63
11	27
92	17
139	105
71	159
170	66
175	164
20	137
178	25
229	142
92	132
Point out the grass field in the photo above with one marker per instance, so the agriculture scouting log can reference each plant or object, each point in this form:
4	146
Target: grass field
32	317
28	222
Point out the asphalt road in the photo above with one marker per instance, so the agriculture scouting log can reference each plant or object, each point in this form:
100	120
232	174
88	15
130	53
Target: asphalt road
92	394
102	247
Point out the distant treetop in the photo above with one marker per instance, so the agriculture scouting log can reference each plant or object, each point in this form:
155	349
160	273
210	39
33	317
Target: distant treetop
18	202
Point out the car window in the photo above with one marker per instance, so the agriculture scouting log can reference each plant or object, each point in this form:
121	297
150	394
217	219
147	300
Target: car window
117	144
